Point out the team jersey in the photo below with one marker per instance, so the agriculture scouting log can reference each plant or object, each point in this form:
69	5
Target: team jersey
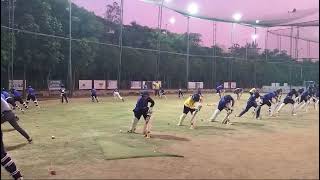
5	94
269	96
4	105
291	94
305	93
253	98
16	93
31	91
219	87
190	103
142	104
300	91
93	91
227	99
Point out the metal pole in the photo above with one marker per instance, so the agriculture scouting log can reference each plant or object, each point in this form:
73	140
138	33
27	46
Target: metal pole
280	43
291	34
213	54
9	21
255	34
12	39
297	46
159	40
246	50
266	44
120	45
215	60
70	53
188	49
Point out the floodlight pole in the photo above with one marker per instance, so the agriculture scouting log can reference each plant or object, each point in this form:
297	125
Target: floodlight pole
291	33
188	49
120	44
12	39
297	46
159	40
266	44
70	53
214	77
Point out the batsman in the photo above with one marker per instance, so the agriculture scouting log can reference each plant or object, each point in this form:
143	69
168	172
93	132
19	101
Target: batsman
143	109
192	105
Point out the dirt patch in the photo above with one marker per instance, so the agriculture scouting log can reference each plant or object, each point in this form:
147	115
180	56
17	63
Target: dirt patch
269	155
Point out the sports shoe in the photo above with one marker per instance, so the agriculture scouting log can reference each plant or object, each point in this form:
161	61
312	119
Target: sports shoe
30	140
131	131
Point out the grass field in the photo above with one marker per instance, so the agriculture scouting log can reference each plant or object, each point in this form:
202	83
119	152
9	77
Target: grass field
91	142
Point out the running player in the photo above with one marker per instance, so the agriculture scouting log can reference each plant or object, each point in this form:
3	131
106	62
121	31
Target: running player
289	100
266	99
17	97
94	95
31	95
116	94
226	103
192	105
251	103
238	92
142	108
10	100
220	90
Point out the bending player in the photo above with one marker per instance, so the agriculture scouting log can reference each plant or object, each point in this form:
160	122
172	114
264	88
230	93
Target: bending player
266	99
31	95
116	94
238	92
251	103
226	103
303	100
8	164
63	94
8	115
252	91
220	90
289	100
94	95
10	100
17	97
143	109
192	105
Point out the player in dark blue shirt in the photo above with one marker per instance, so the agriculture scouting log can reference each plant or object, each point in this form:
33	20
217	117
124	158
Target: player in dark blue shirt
63	94
251	103
289	99
17	97
220	90
142	108
226	103
266	99
238	92
180	93
31	95
94	95
10	100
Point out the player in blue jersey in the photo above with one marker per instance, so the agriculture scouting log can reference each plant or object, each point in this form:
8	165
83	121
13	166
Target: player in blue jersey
31	95
266	100
251	103
10	99
289	99
18	97
220	90
94	95
225	103
142	108
238	92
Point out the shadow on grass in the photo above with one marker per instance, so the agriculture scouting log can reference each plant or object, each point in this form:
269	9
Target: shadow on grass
10	148
169	137
8	130
146	156
248	124
215	128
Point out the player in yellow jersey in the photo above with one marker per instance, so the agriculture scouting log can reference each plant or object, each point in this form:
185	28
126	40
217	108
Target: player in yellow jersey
192	105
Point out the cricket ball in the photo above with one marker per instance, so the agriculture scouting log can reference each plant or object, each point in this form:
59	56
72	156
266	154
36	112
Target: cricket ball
120	131
52	137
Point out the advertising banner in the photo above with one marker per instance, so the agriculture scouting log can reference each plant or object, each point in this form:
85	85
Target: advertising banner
99	84
85	84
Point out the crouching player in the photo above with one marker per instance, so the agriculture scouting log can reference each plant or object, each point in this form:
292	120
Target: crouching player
143	109
303	100
116	94
8	164
17	97
251	103
192	105
10	100
266	99
238	92
220	90
289	99
31	95
8	115
94	95
226	103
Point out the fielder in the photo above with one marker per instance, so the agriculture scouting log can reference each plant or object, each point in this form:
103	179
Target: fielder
192	105
226	103
94	95
63	94
289	100
238	92
180	93
162	93
251	103
10	100
266	99
8	115
143	109
220	90
116	94
31	95
17	97
303	100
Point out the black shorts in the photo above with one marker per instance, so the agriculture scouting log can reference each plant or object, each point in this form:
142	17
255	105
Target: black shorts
32	97
303	98
266	102
186	110
288	101
19	99
138	114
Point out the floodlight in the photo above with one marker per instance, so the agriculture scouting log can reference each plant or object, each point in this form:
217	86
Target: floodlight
193	8
237	16
172	20
257	21
167	1
254	36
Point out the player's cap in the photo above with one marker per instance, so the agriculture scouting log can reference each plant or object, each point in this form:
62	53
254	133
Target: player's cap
196	97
